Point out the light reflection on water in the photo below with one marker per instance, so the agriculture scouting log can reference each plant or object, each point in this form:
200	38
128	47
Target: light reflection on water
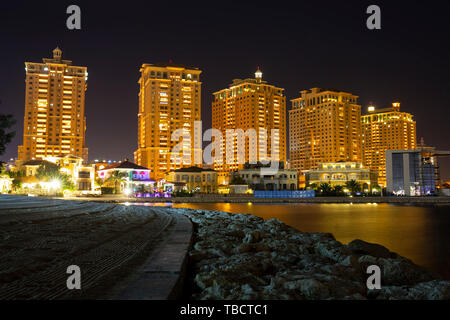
420	233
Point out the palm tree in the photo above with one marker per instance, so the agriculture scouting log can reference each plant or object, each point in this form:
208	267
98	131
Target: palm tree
338	189
313	186
353	186
6	122
116	178
238	180
376	188
325	188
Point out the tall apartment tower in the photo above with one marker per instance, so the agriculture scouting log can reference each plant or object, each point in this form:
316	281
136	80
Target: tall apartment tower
169	99
324	126
250	104
54	120
386	129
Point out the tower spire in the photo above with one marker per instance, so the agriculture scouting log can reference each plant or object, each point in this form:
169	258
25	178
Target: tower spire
57	53
258	74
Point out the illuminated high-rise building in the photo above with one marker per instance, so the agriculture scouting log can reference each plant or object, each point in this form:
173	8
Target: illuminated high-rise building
386	129
250	104
324	126
169	99
54	120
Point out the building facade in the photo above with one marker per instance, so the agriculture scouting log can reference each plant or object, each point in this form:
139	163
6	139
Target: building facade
249	104
338	173
386	129
283	179
82	176
169	99
324	126
127	177
413	172
54	120
195	179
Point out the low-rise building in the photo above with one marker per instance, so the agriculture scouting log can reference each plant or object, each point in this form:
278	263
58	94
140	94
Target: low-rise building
196	179
257	179
239	189
413	172
5	184
127	177
338	173
82	176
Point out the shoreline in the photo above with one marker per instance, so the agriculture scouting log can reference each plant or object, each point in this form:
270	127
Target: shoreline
220	199
244	257
165	252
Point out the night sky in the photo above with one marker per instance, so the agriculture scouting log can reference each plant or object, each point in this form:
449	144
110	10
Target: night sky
297	44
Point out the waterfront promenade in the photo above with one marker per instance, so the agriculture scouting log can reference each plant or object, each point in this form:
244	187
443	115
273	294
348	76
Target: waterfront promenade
137	252
125	252
248	198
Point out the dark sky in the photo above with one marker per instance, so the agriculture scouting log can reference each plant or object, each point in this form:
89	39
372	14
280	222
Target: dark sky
298	45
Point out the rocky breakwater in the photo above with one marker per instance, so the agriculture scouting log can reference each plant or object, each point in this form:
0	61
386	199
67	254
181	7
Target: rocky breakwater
240	256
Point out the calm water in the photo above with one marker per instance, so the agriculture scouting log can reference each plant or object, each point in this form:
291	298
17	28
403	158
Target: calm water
420	233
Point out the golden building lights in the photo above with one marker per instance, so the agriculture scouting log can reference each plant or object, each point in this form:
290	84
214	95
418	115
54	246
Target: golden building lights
169	99
386	129
250	104
324	126
54	120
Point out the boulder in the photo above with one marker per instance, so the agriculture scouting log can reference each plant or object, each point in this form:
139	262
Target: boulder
366	248
252	237
239	256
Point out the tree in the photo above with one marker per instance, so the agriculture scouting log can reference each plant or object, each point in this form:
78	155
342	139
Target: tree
338	189
237	180
6	122
16	174
3	172
313	186
66	182
16	184
117	177
325	188
353	186
48	171
376	189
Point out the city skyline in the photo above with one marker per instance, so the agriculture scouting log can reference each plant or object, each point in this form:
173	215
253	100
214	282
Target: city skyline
408	73
205	151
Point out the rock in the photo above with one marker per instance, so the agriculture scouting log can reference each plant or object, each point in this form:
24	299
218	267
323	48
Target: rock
351	261
244	248
431	290
365	248
236	233
239	256
396	271
332	249
356	296
250	247
252	237
313	289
